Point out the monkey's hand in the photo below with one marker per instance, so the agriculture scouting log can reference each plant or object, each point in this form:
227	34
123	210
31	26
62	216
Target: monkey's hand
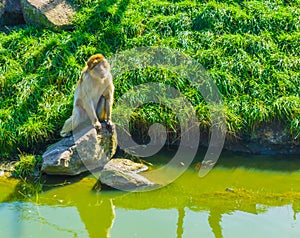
65	134
97	126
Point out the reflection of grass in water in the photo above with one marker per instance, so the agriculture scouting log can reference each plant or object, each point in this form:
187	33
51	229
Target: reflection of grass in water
247	189
271	180
280	163
236	181
25	190
7	186
189	192
249	186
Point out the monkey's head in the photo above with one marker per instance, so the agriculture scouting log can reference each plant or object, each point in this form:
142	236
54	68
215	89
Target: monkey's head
98	66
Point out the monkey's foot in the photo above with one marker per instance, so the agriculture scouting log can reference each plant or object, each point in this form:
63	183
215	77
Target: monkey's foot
65	133
98	126
109	126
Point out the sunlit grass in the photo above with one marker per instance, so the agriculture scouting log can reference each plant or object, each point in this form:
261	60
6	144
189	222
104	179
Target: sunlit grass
251	49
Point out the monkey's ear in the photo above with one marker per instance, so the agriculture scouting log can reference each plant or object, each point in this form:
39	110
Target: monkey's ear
91	63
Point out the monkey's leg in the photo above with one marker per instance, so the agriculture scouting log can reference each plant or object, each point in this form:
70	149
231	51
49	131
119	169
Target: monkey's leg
91	112
101	110
109	96
108	107
109	104
67	128
77	117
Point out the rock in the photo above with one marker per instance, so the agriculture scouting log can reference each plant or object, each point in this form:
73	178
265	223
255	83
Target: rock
7	168
54	14
123	174
229	190
268	139
11	13
85	151
2	7
125	164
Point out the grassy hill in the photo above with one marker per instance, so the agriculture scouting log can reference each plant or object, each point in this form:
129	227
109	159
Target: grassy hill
251	49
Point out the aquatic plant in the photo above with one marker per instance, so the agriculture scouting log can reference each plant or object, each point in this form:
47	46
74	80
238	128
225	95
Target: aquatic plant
26	166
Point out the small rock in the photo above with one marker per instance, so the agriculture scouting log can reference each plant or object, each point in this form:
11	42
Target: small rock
122	174
229	190
126	165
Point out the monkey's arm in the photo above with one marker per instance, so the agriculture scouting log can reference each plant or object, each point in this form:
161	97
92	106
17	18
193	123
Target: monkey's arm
88	106
109	95
101	110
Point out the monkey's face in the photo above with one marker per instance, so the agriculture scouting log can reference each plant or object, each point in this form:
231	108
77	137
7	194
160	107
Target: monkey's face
101	70
98	66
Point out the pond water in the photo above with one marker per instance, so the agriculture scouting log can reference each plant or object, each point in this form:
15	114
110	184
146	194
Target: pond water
243	196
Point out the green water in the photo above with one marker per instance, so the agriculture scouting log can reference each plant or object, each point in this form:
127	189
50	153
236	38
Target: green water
263	201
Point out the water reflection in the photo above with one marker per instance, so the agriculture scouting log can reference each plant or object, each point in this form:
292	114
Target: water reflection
76	211
214	219
264	202
29	220
108	220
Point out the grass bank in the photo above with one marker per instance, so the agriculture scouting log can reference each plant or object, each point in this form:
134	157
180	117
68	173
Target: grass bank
251	49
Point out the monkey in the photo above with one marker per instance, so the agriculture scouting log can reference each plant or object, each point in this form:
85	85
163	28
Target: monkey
93	96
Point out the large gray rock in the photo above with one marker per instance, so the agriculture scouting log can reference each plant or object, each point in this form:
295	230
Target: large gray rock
54	14
85	151
123	174
11	12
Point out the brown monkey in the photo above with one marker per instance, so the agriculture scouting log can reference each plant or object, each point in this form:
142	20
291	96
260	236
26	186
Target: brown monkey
93	97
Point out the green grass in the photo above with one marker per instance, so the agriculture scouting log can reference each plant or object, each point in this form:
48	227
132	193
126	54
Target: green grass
251	49
26	165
